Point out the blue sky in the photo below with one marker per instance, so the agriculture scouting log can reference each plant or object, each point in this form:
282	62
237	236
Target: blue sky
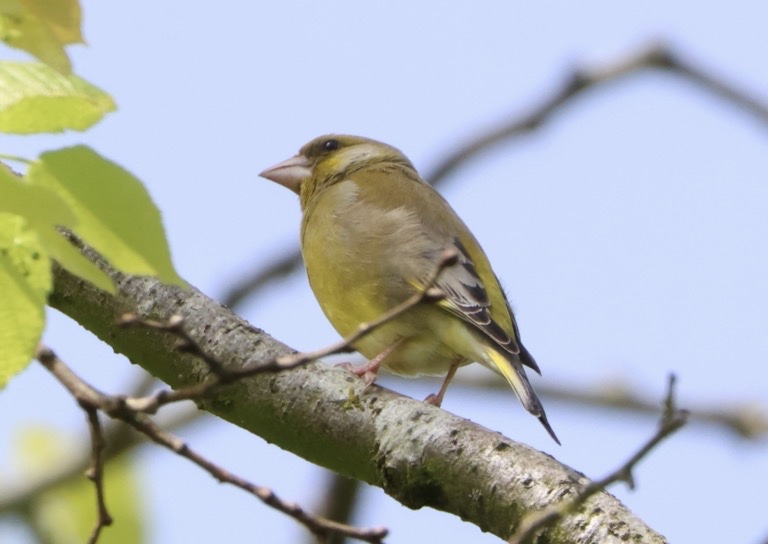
630	232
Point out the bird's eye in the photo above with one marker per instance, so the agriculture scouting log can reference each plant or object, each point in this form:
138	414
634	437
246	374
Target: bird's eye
331	145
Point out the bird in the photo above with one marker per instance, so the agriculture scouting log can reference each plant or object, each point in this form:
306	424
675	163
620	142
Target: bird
373	231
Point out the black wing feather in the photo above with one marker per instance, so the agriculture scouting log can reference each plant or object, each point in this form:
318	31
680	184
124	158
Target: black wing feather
468	299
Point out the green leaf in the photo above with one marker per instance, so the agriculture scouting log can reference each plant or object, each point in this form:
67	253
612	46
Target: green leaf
43	210
62	17
68	256
25	281
42	28
38	205
114	211
67	513
36	98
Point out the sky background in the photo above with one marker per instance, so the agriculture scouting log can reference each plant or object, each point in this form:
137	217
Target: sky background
630	232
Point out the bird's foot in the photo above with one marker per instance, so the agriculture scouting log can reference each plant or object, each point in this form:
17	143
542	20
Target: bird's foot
437	399
434	400
368	372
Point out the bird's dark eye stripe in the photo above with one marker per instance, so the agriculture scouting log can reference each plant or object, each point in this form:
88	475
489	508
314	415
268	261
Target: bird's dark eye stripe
331	145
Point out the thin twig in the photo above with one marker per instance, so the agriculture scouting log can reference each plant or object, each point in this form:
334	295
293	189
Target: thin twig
319	526
340	500
654	57
128	409
95	471
115	407
747	420
672	420
221	375
669	60
280	267
118	439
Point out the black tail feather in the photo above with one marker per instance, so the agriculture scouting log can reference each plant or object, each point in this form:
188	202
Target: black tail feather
548	427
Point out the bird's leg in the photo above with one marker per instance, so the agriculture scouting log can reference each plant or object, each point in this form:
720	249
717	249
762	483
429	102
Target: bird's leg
370	370
437	400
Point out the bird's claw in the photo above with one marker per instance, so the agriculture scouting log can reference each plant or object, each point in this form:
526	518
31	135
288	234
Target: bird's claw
364	372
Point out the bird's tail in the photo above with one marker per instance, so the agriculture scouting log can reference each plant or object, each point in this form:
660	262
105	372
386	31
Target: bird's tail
513	371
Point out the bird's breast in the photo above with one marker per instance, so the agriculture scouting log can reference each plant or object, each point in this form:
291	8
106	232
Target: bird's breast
361	259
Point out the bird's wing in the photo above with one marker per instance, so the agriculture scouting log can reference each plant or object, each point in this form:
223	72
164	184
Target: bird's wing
437	228
467	298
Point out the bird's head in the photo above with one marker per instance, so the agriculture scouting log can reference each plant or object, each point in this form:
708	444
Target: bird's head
329	159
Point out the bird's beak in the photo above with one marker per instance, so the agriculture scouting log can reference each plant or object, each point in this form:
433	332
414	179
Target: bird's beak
289	173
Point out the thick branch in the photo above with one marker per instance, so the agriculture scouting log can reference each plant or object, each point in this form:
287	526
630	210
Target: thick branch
419	454
672	420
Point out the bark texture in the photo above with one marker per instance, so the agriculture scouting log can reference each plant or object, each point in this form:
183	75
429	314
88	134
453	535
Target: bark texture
419	454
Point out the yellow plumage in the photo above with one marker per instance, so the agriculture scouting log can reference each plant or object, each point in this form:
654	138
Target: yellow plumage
372	232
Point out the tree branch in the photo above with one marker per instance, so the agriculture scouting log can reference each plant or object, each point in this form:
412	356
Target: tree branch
672	420
419	454
337	499
745	419
92	401
655	56
221	375
119	439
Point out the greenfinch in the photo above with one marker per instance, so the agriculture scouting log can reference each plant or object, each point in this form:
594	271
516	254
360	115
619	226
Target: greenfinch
372	234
